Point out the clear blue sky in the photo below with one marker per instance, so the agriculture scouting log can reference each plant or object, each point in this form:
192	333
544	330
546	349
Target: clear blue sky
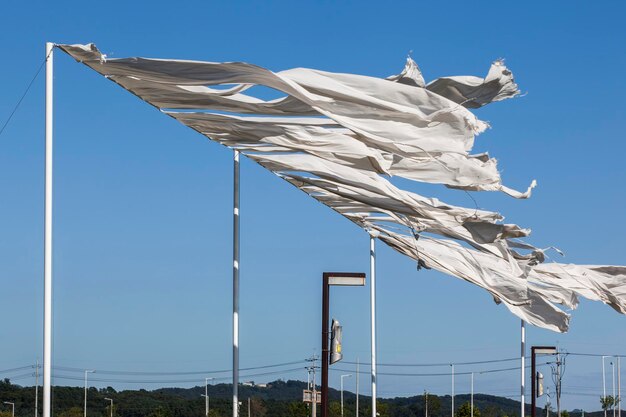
142	223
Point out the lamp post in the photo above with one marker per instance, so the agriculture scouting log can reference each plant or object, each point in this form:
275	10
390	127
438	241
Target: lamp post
109	399
452	365
614	397
472	396
206	395
619	388
342	377
328	279
604	382
87	371
12	407
534	351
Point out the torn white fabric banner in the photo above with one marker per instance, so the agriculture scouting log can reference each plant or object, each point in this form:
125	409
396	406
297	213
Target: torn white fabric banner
336	136
427	135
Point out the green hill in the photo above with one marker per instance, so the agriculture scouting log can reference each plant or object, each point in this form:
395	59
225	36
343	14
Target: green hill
277	399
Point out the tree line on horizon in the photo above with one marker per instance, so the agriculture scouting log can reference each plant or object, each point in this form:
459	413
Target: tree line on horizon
279	399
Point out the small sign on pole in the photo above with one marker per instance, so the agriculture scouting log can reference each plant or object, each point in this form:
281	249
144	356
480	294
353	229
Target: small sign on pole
307	396
335	342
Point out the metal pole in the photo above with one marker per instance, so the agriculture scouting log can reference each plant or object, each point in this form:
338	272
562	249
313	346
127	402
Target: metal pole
614	397
533	379
373	318
236	284
325	348
426	407
342	377
341	395
523	369
603	383
619	388
558	385
47	257
206	397
85	409
314	402
248	406
37	387
357	387
452	365
472	396
86	372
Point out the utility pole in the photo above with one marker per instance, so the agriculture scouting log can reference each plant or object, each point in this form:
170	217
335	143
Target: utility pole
314	402
248	406
311	370
426	401
557	377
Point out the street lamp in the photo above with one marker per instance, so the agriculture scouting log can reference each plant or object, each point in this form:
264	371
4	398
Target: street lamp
534	351
342	377
109	399
604	381
12	407
452	365
328	279
206	395
614	397
472	397
87	371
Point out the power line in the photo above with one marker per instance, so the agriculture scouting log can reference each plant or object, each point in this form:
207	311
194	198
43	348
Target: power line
138	373
183	373
21	368
595	355
441	364
489	371
173	381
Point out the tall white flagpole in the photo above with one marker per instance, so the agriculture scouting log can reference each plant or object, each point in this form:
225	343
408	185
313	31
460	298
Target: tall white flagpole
236	284
47	257
373	317
523	368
